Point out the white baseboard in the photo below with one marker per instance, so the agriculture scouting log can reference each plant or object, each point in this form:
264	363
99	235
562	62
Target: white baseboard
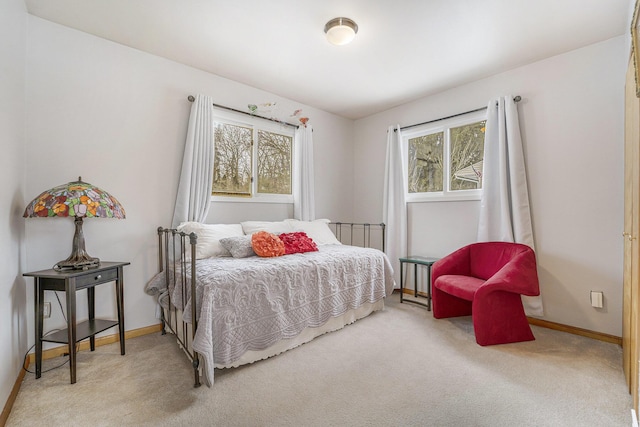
634	418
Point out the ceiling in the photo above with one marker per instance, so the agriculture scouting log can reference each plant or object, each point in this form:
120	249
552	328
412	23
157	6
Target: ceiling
404	49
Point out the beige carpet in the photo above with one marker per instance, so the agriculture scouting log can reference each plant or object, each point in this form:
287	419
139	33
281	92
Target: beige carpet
399	367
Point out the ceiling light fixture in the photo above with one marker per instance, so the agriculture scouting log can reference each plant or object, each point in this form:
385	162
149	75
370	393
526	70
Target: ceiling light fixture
340	31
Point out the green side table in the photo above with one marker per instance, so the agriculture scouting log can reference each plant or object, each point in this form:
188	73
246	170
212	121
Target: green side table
417	260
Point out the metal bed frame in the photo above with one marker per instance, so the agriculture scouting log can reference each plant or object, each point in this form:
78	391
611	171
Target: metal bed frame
173	246
362	233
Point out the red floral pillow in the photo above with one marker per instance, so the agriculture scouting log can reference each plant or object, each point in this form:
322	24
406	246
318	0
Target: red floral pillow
265	244
297	242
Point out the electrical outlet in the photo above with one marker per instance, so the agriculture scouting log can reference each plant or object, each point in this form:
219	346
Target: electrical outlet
47	310
597	298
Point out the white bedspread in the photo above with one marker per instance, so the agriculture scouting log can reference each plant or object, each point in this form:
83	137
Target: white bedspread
252	303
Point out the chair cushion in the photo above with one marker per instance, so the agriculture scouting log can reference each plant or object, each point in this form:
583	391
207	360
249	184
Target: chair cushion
463	287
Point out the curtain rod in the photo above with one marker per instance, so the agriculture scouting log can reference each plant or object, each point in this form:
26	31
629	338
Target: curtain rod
191	98
516	98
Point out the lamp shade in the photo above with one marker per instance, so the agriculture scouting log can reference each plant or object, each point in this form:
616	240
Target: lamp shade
340	31
80	200
77	198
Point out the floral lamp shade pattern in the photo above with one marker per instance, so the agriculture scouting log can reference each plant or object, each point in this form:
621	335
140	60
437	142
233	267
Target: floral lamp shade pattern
77	199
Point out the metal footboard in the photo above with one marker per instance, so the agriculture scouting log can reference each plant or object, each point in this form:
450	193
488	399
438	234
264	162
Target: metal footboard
359	234
173	248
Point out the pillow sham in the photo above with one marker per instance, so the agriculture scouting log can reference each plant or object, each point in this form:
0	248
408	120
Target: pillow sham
317	230
209	235
274	227
239	247
297	242
266	244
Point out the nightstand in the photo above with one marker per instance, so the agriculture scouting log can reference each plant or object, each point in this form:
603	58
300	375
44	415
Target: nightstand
69	282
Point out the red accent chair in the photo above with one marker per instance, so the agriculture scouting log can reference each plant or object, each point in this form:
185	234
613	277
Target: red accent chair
485	280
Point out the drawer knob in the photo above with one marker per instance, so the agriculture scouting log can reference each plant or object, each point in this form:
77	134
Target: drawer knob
98	277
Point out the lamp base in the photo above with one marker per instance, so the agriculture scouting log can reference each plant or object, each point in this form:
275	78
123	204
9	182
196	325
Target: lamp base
77	264
79	258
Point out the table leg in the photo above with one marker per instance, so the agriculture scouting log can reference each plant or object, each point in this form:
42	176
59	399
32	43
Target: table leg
91	296
415	280
71	325
429	287
120	305
38	298
401	281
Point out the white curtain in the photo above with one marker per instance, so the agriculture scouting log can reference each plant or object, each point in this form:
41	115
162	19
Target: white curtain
505	214
304	207
196	179
394	204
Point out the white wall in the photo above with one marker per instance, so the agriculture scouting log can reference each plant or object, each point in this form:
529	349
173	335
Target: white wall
13	329
571	117
118	117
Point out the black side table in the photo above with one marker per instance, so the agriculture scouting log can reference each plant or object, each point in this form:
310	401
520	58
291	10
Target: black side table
417	260
70	282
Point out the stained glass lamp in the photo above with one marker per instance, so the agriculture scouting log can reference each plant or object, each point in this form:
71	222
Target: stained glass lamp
77	199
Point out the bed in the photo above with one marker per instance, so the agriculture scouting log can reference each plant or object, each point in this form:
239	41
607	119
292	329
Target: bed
248	307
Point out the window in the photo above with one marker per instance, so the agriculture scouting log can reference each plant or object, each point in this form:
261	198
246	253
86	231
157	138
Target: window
252	161
445	159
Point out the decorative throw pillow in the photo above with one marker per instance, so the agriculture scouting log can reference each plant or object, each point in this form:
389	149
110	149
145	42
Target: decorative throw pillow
240	247
209	235
266	244
298	242
317	230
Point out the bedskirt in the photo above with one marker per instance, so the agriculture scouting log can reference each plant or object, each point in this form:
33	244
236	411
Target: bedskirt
307	334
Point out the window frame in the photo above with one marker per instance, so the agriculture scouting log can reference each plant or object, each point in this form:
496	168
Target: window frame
257	123
427	129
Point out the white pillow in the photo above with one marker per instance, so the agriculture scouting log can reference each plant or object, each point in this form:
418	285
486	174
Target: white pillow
275	227
318	230
209	235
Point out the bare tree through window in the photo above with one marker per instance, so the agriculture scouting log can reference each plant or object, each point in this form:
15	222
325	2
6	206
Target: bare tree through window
467	152
232	159
274	163
234	167
455	151
425	163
